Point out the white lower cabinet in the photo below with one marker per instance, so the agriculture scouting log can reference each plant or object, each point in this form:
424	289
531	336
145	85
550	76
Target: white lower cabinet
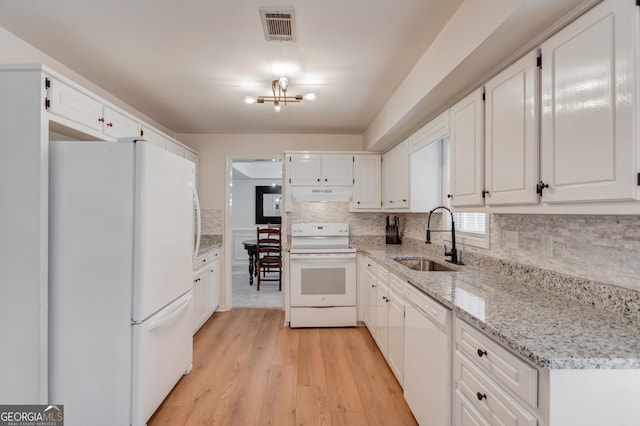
493	386
465	414
370	285
490	399
206	287
382	322
395	327
384	315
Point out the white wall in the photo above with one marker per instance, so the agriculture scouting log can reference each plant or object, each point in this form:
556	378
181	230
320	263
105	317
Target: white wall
244	201
214	149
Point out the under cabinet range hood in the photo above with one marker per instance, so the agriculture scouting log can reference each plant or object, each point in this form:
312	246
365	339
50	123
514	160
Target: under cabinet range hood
308	193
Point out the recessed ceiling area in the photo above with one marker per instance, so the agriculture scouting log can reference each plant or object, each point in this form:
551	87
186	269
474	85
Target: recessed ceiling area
188	65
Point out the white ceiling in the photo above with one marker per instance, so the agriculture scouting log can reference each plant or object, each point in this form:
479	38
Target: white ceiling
188	64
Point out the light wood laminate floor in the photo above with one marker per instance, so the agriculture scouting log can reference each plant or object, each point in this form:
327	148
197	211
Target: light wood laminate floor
249	369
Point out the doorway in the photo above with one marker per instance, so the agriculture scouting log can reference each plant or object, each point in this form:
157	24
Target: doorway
253	201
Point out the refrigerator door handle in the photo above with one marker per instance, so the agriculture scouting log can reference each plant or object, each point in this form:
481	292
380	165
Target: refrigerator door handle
160	321
198	225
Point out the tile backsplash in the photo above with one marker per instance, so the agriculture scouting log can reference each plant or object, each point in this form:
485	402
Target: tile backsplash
212	222
598	248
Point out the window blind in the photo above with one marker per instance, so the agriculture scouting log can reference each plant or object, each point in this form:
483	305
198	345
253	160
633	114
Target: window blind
473	223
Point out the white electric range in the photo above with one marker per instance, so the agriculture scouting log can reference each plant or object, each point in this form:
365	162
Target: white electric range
323	276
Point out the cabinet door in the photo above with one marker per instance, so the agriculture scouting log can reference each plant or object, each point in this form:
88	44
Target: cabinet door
337	169
214	284
401	175
200	300
511	138
304	169
191	156
71	104
175	148
388	176
588	142
382	323
395	349
154	138
370	288
117	125
467	150
367	170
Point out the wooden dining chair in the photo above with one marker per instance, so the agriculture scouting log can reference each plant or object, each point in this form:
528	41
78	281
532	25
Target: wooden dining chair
269	255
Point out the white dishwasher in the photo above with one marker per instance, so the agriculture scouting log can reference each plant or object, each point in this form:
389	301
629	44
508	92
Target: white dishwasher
427	358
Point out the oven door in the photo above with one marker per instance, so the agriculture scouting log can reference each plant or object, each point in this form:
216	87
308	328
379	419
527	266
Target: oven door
323	279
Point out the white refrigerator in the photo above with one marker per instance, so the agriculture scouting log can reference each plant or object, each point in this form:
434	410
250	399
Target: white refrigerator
121	246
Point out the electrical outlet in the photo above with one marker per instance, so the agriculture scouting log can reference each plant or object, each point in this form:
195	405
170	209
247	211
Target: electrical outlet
511	239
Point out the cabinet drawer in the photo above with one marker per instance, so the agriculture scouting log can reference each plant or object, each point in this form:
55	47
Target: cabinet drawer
491	400
465	414
117	125
213	256
396	284
372	267
383	275
503	366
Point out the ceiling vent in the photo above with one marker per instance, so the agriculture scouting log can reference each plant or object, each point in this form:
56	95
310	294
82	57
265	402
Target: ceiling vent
278	24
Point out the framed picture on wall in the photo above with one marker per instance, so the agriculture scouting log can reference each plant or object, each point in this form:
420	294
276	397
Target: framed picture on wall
268	204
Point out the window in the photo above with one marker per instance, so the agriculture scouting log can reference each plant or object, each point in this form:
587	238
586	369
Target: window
471	229
471	223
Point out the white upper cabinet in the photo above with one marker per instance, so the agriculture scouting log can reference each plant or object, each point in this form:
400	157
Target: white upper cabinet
304	169
175	148
77	108
467	151
68	103
367	172
395	177
401	180
320	169
589	77
511	138
337	169
154	138
117	125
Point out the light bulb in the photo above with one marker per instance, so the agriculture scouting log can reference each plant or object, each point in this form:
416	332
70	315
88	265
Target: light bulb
249	100
284	83
310	96
276	106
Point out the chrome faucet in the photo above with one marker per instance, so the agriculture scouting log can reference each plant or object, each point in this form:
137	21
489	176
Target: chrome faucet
453	253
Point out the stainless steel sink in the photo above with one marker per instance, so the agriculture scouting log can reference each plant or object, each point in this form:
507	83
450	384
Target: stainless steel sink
423	264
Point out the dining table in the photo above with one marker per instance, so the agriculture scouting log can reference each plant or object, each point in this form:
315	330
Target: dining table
251	246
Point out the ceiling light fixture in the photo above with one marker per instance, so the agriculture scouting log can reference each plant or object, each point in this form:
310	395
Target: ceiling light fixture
279	88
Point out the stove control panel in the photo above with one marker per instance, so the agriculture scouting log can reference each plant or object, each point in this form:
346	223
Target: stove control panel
320	229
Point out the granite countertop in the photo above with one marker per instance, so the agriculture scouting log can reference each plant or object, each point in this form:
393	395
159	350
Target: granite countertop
208	242
547	328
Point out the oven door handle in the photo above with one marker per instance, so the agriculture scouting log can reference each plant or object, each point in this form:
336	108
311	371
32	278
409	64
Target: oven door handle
322	256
